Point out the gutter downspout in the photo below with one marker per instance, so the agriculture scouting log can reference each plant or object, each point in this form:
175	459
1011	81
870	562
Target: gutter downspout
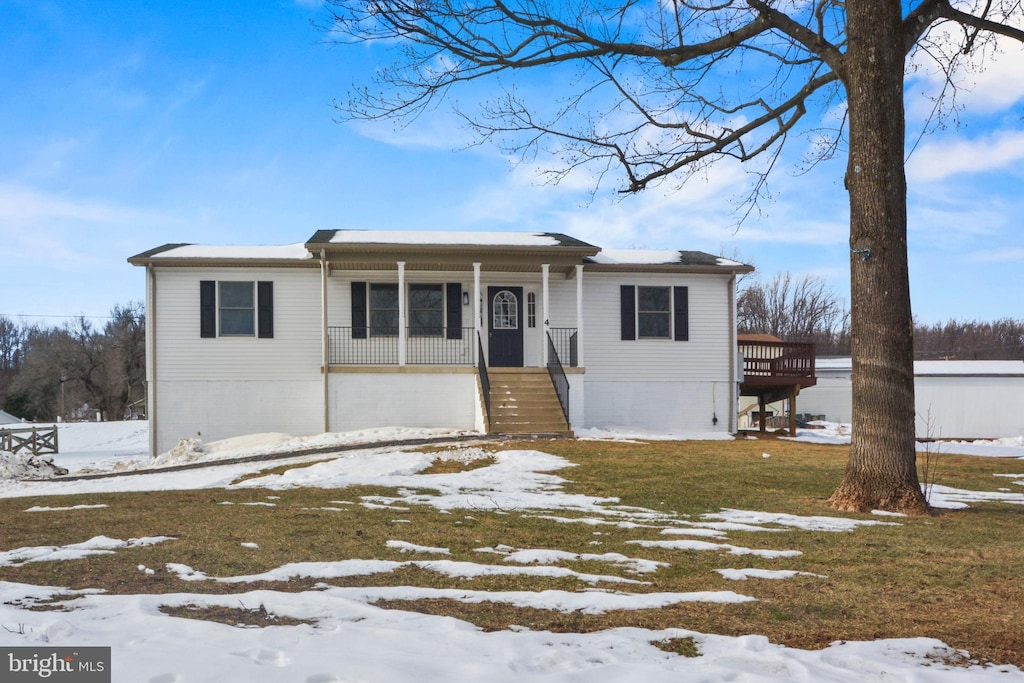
151	358
325	339
733	352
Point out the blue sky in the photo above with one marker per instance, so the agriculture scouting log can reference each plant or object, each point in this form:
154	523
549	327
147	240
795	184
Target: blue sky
124	126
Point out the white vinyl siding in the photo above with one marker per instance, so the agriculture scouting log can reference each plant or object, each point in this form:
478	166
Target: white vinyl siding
657	385
705	357
294	352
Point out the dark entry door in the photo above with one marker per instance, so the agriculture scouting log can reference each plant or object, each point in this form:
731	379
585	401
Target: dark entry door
505	327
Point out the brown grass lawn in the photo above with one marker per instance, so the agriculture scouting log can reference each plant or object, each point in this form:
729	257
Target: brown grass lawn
955	575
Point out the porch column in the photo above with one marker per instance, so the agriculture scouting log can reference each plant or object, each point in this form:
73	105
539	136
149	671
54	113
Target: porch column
476	311
325	339
579	316
545	271
402	332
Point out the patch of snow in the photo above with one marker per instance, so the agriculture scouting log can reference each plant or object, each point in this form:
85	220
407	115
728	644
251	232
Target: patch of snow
705	545
405	547
636	436
351	635
744	574
949	498
97	545
544	556
813	523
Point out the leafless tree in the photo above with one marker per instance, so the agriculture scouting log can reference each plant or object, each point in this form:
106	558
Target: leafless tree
12	342
794	310
65	370
657	90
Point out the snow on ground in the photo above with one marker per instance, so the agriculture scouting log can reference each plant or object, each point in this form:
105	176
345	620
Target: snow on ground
347	638
834	433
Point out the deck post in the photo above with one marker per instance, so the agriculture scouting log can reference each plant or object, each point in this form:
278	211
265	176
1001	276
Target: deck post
792	409
762	419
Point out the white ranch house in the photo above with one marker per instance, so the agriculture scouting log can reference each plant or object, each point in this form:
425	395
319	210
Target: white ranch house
493	332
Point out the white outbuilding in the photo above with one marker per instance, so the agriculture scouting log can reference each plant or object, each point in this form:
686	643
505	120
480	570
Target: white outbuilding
955	399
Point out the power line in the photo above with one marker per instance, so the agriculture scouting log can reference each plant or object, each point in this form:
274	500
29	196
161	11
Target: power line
63	317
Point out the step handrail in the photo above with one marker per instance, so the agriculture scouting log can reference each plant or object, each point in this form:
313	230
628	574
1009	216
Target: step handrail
558	379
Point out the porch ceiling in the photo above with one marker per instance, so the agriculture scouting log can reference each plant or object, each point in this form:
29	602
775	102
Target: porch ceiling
460	266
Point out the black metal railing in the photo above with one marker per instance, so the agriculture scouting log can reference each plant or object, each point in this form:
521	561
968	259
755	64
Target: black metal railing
485	382
558	378
565	340
380	346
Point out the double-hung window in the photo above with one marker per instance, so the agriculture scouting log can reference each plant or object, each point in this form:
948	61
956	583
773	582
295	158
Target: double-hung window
654	312
426	310
231	308
431	310
237	309
383	310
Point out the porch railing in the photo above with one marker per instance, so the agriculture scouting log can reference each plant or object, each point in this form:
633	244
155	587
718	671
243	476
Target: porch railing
485	381
565	341
423	346
777	359
558	378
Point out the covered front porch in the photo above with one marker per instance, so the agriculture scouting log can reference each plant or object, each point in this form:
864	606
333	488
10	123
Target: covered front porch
394	310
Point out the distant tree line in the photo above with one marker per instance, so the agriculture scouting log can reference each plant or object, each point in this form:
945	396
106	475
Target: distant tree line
75	370
807	310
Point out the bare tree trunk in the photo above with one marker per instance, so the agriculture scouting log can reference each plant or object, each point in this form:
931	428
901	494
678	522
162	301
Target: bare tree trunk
882	471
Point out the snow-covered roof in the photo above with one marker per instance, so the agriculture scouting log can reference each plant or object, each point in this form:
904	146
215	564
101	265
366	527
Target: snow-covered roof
662	257
935	368
443	237
7	418
540	244
285	252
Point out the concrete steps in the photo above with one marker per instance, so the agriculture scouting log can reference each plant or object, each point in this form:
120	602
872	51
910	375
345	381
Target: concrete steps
523	401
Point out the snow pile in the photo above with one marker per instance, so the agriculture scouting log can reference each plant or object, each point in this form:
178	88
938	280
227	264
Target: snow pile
28	466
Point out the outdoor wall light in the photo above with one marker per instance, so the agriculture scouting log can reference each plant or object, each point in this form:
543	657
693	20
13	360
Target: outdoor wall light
465	298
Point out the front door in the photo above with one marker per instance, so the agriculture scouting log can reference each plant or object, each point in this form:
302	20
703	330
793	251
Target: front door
505	327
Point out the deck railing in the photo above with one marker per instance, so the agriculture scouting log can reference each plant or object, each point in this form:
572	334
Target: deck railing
558	378
423	346
565	340
777	359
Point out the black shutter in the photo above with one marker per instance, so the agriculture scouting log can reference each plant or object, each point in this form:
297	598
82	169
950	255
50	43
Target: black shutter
265	310
454	314
207	308
627	307
359	310
681	308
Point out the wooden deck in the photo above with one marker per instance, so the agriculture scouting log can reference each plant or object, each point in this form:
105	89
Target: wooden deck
776	370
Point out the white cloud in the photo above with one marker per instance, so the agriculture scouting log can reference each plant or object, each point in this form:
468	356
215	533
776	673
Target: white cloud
990	81
24	207
1004	255
941	157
